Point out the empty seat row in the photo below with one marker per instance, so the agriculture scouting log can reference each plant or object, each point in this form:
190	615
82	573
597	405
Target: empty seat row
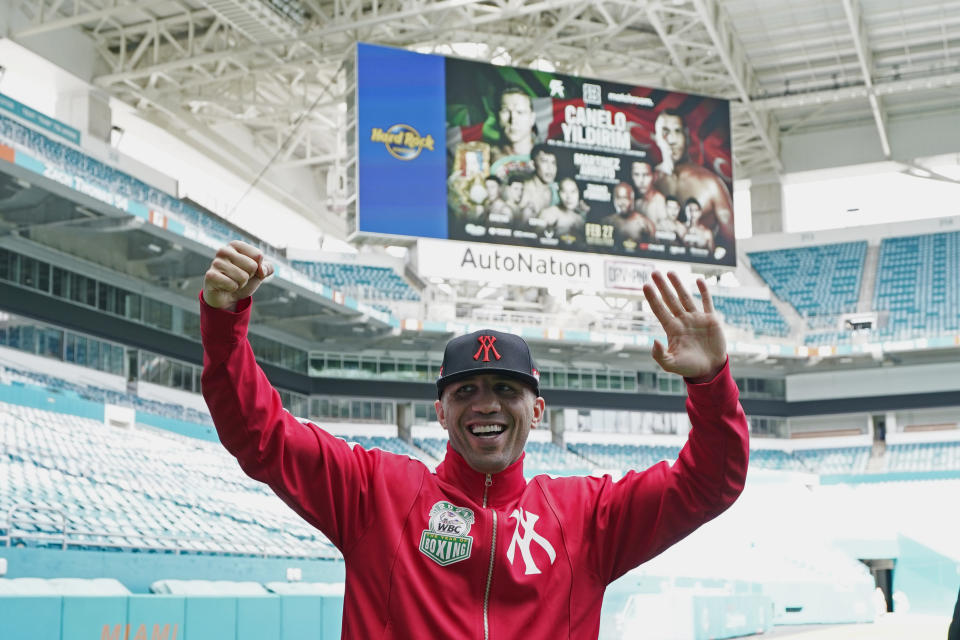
757	315
918	285
819	281
365	282
114	181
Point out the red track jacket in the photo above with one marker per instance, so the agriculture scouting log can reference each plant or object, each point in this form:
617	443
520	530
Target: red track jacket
457	553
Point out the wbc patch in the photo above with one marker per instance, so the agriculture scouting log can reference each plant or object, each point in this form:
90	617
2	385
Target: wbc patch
446	540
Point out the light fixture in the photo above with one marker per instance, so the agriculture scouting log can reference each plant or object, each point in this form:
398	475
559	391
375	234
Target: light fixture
116	135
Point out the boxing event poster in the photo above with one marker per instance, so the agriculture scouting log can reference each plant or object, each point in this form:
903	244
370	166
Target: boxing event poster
463	150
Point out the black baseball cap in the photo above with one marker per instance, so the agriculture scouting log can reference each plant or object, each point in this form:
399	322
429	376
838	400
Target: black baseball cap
488	351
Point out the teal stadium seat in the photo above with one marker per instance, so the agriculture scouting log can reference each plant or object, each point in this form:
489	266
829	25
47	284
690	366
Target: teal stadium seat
927	456
61	156
918	285
757	315
71	482
364	282
821	282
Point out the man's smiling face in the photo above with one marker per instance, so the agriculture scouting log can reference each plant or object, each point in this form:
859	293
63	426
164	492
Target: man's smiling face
488	418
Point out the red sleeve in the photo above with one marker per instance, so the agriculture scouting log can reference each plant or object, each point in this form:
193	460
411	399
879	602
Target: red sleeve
321	477
645	512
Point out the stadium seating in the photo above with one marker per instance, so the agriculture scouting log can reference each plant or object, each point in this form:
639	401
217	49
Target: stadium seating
827	460
927	456
775	459
546	457
918	284
99	394
361	281
436	447
819	281
77	483
299	588
826	337
207	587
623	456
835	459
115	182
393	445
758	315
62	586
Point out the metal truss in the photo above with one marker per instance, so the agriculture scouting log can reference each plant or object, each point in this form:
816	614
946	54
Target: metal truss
277	69
213	64
860	40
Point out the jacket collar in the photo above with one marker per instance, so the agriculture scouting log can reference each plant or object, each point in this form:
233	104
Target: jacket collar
505	487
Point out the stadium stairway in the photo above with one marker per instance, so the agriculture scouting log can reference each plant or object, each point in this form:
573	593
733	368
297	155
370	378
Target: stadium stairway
747	274
869	279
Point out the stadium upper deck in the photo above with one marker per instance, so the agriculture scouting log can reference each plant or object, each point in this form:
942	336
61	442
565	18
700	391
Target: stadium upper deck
822	283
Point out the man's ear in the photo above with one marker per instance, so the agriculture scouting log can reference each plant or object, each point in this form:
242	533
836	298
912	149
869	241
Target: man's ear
438	407
539	406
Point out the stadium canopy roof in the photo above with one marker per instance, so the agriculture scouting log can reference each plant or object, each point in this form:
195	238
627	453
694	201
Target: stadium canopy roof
815	83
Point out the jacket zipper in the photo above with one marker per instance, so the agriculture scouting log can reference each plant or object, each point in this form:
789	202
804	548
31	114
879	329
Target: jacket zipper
493	546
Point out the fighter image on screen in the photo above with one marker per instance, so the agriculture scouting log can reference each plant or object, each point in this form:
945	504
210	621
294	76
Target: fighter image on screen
504	210
698	235
630	227
649	201
540	127
671	228
566	221
475	161
515	121
540	190
496	210
679	177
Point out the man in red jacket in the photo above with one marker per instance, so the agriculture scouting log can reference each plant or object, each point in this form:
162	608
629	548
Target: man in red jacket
474	550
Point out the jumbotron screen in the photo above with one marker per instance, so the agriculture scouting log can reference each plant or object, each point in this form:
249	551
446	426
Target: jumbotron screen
463	150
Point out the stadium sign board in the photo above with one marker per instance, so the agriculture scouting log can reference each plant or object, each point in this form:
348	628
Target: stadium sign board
500	264
462	150
35	118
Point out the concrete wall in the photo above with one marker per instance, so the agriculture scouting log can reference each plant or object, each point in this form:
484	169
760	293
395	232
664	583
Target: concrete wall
882	381
162	617
137	571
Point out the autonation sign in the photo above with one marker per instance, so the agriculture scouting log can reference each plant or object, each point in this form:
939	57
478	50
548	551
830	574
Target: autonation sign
531	267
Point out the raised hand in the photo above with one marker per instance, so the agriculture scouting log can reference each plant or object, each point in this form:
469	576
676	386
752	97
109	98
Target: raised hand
696	348
235	273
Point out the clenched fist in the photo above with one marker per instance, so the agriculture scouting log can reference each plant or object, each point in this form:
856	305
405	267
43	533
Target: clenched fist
235	273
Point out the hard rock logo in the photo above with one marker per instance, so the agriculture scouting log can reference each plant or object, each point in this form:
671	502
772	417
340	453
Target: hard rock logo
402	141
446	541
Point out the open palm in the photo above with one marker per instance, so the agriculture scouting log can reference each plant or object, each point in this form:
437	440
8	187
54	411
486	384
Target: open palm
696	348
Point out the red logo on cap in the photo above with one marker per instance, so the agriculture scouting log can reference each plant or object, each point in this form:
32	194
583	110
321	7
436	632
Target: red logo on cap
486	346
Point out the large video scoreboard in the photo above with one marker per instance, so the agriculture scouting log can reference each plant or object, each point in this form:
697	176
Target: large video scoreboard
461	150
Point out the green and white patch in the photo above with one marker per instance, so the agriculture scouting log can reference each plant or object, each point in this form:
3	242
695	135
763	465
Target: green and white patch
446	540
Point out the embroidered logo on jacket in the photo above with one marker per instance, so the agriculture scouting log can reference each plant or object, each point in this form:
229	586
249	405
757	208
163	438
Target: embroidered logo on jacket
528	520
446	541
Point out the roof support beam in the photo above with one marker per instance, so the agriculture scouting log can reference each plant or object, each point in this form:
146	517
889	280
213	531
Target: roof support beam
845	94
657	23
339	27
731	54
532	51
81	18
855	21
